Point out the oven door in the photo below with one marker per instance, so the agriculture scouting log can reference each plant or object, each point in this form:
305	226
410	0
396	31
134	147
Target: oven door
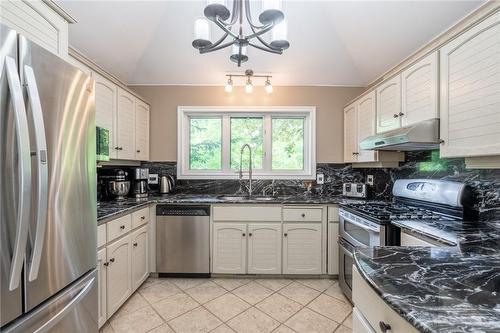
345	267
359	234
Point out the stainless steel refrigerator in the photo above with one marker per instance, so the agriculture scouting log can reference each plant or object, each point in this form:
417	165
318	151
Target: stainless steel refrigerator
48	191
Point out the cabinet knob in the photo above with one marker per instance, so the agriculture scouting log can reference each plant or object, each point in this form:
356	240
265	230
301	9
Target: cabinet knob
106	264
143	217
122	227
117	148
138	150
384	327
249	234
135	244
285	234
303	215
401	114
395	115
112	260
243	234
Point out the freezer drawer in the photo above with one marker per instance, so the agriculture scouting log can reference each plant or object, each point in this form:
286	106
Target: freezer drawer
72	310
183	240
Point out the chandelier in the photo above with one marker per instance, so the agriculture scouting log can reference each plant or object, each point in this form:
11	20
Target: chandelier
271	20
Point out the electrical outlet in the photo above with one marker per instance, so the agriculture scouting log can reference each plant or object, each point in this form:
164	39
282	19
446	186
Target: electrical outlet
370	179
153	179
320	179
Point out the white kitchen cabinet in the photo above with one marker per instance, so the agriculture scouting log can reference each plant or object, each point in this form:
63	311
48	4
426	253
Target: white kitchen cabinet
388	96
119	274
302	244
37	21
229	248
264	248
106	96
101	285
350	134
470	86
333	248
125	130
419	95
141	131
140	251
365	108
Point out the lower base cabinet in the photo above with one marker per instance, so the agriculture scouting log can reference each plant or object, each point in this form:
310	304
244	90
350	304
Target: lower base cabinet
119	275
140	246
101	283
229	248
264	248
333	248
302	248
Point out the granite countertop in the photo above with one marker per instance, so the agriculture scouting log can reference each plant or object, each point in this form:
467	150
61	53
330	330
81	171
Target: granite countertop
108	209
440	289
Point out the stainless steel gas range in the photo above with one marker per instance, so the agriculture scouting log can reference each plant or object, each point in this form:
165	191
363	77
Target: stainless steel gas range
367	224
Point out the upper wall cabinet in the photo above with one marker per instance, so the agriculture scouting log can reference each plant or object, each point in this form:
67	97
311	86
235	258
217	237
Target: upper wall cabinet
38	22
141	131
125	131
366	125
389	104
470	92
106	94
350	134
419	91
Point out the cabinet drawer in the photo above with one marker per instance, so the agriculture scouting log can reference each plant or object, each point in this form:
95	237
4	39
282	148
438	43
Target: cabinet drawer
118	227
374	309
302	214
247	213
140	217
101	235
333	214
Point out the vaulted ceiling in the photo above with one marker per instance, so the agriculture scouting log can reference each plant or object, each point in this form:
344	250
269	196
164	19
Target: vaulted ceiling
346	43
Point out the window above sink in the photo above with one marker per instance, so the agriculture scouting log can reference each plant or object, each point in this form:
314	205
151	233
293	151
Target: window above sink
282	141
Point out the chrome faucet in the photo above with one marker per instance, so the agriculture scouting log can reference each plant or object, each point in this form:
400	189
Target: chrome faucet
246	145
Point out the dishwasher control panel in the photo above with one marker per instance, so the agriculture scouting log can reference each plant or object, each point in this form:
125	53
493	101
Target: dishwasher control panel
182	210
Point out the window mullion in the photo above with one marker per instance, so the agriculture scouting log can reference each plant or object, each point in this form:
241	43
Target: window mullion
226	144
266	163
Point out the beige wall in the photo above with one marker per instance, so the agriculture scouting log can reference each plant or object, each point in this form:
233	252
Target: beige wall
329	102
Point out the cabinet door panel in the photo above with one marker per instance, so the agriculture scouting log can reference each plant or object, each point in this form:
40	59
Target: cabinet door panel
302	248
105	109
388	104
140	252
419	85
366	125
125	125
333	248
229	248
141	131
101	284
470	82
119	275
350	134
264	248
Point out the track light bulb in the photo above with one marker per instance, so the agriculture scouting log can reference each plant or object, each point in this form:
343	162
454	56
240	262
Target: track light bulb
229	85
269	86
249	86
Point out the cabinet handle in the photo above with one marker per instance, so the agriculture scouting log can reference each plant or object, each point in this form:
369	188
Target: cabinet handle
401	114
355	153
112	260
303	215
135	244
143	217
249	234
384	327
395	115
117	148
138	150
106	264
122	227
243	235
285	234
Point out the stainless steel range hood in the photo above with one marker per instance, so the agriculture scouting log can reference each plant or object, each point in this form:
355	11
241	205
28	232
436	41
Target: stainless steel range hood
420	136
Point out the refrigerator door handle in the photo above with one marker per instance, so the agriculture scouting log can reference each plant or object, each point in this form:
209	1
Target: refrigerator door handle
67	308
24	181
36	118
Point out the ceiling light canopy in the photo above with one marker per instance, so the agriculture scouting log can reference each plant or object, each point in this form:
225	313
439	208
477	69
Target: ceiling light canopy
271	20
249	75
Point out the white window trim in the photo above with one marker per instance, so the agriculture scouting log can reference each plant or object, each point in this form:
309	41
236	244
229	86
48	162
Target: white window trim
183	113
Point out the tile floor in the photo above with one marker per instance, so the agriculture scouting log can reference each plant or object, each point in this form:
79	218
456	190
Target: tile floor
234	305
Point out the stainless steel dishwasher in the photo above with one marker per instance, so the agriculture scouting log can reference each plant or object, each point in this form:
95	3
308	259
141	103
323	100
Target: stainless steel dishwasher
183	240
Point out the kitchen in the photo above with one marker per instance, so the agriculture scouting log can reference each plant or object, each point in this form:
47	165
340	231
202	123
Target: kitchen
153	183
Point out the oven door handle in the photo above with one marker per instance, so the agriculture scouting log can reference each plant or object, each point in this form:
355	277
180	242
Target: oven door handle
361	225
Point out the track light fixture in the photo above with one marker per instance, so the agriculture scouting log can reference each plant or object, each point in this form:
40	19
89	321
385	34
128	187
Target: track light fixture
249	76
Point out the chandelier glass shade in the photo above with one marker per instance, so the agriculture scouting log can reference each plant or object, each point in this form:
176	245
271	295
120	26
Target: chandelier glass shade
271	20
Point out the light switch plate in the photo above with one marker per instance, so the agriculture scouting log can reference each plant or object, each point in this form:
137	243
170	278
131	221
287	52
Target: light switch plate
320	179
153	178
370	180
